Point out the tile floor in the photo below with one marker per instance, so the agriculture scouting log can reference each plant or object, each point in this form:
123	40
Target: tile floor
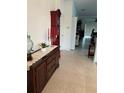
76	74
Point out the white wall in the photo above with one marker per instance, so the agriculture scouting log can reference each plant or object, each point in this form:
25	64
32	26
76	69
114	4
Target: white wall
68	11
74	25
65	25
73	32
95	56
88	28
74	10
38	18
86	19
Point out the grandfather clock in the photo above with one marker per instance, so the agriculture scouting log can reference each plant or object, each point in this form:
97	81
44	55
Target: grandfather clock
55	27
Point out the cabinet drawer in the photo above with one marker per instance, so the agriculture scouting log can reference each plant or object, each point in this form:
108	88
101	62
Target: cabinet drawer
40	77
51	64
50	72
50	59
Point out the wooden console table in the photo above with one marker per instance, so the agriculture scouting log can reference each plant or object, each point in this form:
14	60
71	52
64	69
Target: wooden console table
41	68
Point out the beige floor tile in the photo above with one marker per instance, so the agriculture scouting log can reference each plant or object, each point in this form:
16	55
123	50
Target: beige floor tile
76	74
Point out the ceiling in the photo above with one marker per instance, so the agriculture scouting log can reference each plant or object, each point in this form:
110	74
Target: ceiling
86	7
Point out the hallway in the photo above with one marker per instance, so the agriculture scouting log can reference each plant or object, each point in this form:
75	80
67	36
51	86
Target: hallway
76	74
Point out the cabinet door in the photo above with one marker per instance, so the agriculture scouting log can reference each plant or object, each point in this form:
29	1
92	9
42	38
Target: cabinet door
29	83
40	77
50	67
57	58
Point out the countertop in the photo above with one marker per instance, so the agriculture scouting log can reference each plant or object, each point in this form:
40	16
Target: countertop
38	55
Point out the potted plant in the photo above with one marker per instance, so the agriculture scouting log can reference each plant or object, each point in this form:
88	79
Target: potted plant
43	46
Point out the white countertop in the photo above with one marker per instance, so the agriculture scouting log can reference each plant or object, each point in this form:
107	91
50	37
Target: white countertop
38	55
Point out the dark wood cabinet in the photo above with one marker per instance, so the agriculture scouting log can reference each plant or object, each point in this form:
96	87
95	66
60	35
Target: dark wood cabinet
41	71
36	77
52	62
55	27
40	76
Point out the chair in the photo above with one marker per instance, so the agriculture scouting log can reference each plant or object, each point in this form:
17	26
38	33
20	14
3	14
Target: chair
91	49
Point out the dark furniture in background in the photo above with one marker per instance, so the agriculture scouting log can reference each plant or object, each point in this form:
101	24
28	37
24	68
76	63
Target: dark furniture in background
55	27
79	25
41	71
79	31
92	45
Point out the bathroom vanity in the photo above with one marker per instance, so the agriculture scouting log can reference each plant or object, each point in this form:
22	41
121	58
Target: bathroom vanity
41	68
